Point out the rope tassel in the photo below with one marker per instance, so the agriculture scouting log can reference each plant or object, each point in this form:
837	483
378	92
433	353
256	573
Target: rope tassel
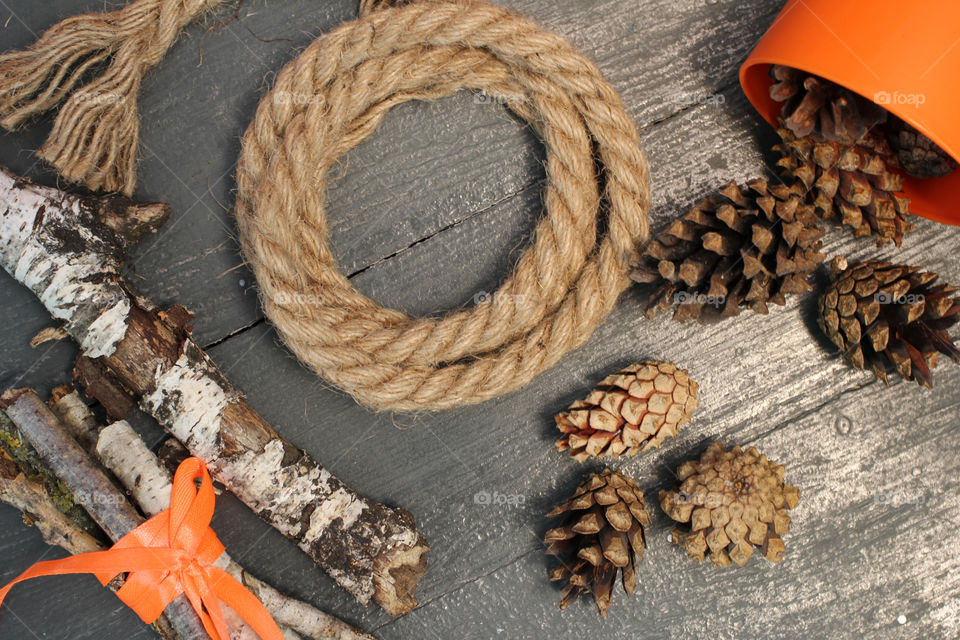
96	133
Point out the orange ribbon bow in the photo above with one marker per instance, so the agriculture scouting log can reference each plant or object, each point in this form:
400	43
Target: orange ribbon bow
169	554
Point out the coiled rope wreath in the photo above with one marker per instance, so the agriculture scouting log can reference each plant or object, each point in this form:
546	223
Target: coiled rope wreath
562	286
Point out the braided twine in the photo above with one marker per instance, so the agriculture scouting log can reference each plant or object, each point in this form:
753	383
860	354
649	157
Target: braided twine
561	288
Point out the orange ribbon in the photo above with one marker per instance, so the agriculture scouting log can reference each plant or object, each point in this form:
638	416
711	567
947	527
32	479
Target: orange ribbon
169	554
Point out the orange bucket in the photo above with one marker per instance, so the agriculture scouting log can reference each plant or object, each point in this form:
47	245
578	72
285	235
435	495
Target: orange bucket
905	56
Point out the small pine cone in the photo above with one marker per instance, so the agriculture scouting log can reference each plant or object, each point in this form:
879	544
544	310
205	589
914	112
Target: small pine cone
602	532
882	314
630	411
744	247
852	183
917	154
814	106
733	501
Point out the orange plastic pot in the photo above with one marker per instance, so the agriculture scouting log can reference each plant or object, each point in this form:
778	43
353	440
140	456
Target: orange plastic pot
904	55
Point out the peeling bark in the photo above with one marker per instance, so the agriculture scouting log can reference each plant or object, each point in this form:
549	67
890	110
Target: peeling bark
50	243
373	551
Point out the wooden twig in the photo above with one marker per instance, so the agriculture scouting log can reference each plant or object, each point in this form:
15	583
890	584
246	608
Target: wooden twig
76	415
30	464
54	244
124	453
39	510
42	510
96	493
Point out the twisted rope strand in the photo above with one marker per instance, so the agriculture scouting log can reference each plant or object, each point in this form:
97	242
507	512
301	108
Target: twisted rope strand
327	101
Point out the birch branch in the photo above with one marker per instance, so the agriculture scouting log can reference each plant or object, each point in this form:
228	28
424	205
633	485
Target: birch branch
55	244
93	491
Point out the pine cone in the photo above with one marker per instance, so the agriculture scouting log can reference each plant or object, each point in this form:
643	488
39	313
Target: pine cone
853	183
917	154
813	106
882	314
630	411
601	533
733	501
741	248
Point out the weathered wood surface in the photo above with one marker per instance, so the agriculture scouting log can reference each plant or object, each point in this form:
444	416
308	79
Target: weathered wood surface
430	212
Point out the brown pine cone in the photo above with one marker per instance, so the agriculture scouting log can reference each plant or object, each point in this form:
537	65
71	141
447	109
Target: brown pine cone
882	314
918	155
740	248
630	411
852	183
734	501
814	106
602	532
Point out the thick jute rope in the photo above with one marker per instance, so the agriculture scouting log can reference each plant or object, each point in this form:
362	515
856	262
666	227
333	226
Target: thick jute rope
331	98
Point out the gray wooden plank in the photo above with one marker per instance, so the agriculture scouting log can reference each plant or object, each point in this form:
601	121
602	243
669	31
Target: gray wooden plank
767	380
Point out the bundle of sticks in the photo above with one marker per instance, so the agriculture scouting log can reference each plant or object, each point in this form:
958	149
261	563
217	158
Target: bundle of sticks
57	464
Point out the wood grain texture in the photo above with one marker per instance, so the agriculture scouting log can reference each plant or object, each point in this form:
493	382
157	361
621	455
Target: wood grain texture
430	212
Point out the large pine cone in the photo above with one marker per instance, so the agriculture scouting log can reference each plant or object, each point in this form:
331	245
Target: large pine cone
813	106
734	501
882	314
850	182
741	248
630	411
602	532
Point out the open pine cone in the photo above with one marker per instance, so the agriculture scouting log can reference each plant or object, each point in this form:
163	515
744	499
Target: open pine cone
601	533
881	314
744	247
630	411
813	106
851	182
733	501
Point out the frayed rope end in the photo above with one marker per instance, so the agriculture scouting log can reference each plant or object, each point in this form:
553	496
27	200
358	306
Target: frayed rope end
95	138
